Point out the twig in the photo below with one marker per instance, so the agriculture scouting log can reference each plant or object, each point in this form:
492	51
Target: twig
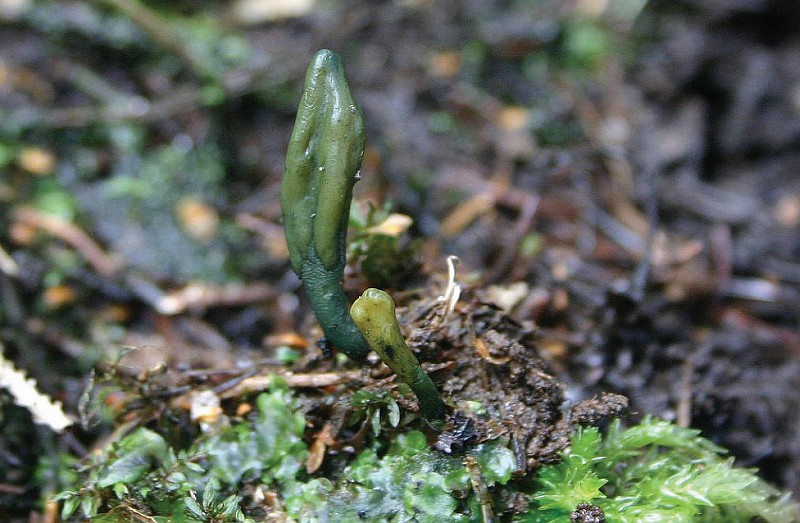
510	250
466	213
308	380
134	108
205	334
710	201
201	296
639	278
91	83
160	31
721	245
684	409
233	382
103	263
757	289
137	108
137	514
620	234
479	486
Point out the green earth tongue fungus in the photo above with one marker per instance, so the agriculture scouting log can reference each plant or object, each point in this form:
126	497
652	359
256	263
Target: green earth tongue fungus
374	314
322	162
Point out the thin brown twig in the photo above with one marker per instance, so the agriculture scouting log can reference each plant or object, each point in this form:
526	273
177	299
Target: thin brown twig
7	488
306	380
721	247
130	108
479	487
684	408
202	296
234	382
140	109
192	296
105	264
159	30
466	213
529	205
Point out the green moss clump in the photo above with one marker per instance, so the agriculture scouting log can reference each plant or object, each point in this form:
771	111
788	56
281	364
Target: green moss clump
386	258
655	472
142	473
411	482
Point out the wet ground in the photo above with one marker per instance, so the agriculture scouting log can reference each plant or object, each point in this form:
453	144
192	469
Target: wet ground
626	193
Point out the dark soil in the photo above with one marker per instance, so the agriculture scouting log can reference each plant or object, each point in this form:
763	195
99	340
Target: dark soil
492	360
635	230
721	84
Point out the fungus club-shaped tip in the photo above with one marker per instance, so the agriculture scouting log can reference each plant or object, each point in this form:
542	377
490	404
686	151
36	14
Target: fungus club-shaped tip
322	161
374	315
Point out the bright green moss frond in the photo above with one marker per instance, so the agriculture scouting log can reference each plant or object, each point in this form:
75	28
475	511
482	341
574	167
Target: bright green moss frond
655	472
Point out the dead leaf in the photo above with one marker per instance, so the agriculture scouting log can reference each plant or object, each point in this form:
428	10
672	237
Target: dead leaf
251	12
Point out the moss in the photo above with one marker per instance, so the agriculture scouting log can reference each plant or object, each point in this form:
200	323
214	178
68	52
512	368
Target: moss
144	473
412	483
653	471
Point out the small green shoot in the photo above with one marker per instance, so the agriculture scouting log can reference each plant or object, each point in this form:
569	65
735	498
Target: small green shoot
374	314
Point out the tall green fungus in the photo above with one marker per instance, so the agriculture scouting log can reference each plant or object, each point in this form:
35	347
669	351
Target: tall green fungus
322	162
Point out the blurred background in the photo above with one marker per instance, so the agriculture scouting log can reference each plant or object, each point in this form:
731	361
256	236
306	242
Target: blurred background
622	174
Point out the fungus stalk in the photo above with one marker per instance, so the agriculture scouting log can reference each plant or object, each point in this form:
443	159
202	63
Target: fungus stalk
322	162
374	315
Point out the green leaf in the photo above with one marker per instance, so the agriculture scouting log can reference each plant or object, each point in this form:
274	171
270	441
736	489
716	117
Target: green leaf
89	505
70	506
229	506
393	410
457	478
410	443
120	490
497	463
375	422
425	494
133	457
194	507
270	447
194	467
